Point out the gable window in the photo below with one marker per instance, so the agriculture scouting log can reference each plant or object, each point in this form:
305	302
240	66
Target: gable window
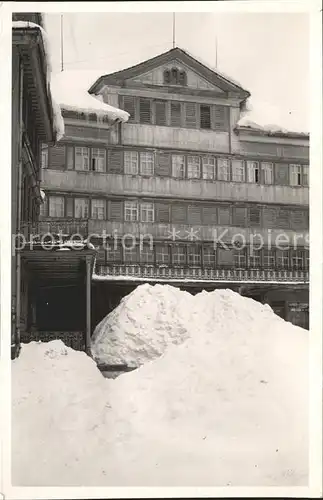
147	212
182	78
238	171
144	110
82	159
295	175
98	160
253	171
162	254
205	116
147	163
178	166
81	208
174	76
167	76
223	169
131	162
305	175
193	167
268	170
131	211
56	206
44	157
98	209
179	254
209	167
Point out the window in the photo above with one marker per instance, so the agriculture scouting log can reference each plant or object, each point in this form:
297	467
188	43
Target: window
147	163
295	175
98	160
178	166
147	212
144	110
114	253
131	162
254	216
167	76
175	114
129	106
307	259
56	206
160	112
209	167
162	254
193	167
130	254
179	255
297	259
194	255
205	117
238	171
182	78
81	208
283	259
147	255
223	169
175	76
98	209
131	211
44	157
305	175
269	258
208	257
240	259
253	171
254	258
268	170
82	160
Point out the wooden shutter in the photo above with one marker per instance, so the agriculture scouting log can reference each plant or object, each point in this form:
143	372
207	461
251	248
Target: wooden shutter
223	216
220	118
225	257
179	213
254	214
160	112
281	174
299	219
144	110
205	116
239	216
162	212
115	208
163	164
190	115
269	217
69	206
70	157
194	215
283	218
57	158
209	214
175	114
129	105
115	161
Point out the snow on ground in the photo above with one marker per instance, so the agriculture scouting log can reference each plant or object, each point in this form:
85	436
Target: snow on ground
228	406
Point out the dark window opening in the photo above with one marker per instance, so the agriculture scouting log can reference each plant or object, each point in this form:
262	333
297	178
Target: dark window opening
205	121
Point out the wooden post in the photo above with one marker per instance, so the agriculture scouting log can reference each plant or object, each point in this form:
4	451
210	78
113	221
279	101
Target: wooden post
88	305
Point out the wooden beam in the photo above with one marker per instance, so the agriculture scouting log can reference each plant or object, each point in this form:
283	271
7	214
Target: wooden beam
88	304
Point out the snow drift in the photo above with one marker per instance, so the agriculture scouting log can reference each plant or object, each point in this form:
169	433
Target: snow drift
227	406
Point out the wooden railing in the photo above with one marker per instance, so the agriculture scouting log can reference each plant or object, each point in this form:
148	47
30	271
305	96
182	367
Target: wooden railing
66	227
114	272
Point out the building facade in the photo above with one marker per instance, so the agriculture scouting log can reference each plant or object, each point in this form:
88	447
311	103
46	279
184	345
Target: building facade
182	193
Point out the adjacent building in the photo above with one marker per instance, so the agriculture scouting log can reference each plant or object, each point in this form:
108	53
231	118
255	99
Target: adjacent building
184	192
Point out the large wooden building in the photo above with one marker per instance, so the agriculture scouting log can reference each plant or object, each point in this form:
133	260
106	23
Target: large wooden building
182	193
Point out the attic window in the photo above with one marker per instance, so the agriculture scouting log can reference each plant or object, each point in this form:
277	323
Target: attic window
174	76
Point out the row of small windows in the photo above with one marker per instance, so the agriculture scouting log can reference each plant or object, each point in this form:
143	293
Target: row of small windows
175	76
206	167
206	256
176	213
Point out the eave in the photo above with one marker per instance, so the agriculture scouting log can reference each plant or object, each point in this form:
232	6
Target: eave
240	130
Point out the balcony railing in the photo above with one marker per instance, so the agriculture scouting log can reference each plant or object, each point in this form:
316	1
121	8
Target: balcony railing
142	272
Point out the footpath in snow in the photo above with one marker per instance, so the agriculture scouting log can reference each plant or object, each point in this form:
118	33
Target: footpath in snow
221	399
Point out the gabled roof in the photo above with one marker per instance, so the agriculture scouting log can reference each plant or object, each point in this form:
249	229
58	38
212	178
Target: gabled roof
215	77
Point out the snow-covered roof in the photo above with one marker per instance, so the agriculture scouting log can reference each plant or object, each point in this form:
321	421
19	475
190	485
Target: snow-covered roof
70	89
268	118
58	122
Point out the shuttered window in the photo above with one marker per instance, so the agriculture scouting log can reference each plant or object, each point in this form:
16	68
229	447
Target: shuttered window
144	110
193	167
239	216
162	211
131	162
163	164
175	114
82	159
209	214
115	162
179	213
283	218
281	174
209	167
69	206
57	158
115	210
190	109
160	113
254	216
147	163
129	105
269	217
221	118
205	116
224	216
194	215
299	219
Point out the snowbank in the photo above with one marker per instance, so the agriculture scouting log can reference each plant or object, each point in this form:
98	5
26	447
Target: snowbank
70	90
228	406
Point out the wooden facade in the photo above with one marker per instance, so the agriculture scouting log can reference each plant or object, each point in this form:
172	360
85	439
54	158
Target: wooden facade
179	172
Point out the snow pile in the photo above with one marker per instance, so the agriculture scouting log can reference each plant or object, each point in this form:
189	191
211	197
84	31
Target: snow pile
228	406
142	326
262	115
70	90
58	122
